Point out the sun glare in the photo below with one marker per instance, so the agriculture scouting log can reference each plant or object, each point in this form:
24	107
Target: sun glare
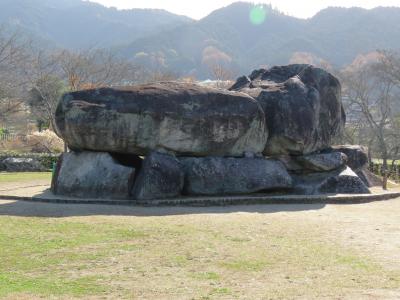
258	15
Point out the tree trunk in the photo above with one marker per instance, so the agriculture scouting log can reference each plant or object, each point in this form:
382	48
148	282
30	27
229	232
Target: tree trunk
385	172
370	152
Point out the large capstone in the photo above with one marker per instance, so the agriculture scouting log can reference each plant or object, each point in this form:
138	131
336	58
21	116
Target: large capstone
302	106
230	176
92	175
161	176
182	118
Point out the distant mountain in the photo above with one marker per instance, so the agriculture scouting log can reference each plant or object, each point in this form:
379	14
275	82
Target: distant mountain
82	24
226	36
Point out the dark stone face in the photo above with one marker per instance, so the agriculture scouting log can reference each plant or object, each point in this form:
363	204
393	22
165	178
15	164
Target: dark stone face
161	177
340	181
92	175
318	162
182	118
230	176
369	178
302	106
347	182
323	161
357	155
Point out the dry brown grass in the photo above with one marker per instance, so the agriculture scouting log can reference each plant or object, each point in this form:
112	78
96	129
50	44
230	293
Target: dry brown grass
257	252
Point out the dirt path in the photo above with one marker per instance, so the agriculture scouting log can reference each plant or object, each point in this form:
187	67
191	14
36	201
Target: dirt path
11	186
373	228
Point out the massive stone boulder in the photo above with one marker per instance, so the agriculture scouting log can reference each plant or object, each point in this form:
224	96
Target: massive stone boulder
92	175
346	182
182	118
358	161
161	176
302	106
311	163
198	140
369	178
357	156
340	181
230	176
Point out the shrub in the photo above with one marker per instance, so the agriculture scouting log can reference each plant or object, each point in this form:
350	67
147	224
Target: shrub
45	141
46	159
16	145
3	131
38	142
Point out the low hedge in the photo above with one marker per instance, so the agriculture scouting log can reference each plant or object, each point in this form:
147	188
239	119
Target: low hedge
377	168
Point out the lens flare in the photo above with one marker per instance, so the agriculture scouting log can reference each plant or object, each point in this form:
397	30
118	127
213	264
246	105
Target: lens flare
258	15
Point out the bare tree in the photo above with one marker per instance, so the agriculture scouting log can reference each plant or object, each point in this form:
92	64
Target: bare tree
94	68
159	75
13	58
389	65
219	65
46	86
51	74
370	95
311	59
222	74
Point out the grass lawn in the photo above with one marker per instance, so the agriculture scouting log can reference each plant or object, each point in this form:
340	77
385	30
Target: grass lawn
119	253
191	256
6	177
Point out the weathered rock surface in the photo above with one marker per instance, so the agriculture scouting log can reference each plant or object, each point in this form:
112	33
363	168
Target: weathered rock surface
342	181
319	162
369	178
322	161
290	162
229	176
182	118
161	176
21	164
357	160
92	175
357	156
302	106
203	141
346	182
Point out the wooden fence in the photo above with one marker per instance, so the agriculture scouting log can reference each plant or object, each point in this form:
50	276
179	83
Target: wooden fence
11	137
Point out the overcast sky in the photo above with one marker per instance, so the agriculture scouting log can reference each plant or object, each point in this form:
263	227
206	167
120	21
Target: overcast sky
199	9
